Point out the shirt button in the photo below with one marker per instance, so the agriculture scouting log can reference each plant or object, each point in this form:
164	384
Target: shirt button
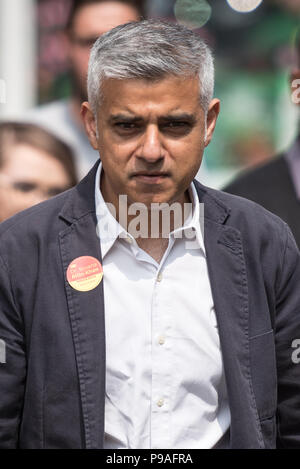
159	277
128	240
161	340
160	402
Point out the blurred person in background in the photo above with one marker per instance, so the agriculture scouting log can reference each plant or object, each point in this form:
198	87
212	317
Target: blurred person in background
88	19
254	73
34	166
276	184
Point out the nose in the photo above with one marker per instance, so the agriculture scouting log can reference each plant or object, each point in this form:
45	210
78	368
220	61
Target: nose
151	148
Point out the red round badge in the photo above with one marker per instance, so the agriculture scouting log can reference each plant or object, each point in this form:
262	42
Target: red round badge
84	273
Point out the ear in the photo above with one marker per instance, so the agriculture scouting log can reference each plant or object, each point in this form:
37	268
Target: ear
211	119
89	123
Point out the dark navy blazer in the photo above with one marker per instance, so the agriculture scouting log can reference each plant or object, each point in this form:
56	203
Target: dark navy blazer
52	385
271	185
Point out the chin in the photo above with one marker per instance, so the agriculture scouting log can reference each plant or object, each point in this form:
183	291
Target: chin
152	199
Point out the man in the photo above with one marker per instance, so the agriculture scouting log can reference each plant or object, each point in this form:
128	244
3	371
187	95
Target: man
276	184
88	19
128	334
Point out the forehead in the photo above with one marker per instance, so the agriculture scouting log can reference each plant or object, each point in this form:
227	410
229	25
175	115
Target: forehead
139	96
98	18
27	162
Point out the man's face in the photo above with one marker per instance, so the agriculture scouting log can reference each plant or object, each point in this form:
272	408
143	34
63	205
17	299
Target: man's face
151	137
89	23
29	176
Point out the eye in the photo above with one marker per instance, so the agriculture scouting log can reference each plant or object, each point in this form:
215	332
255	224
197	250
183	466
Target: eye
85	42
127	128
176	127
126	125
24	186
176	124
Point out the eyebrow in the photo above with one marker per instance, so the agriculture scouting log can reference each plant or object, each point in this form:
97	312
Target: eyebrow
124	118
169	117
185	116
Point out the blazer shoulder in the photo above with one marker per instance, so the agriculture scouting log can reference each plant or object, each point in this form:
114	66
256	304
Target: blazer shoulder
262	232
274	172
244	212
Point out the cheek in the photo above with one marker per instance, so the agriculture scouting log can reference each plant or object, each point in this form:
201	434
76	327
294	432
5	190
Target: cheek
186	161
115	153
6	199
187	152
11	204
114	164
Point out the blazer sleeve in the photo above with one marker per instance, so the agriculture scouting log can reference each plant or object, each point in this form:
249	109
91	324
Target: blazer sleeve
12	364
287	331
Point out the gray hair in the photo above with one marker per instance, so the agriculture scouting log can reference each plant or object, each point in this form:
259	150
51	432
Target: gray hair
150	50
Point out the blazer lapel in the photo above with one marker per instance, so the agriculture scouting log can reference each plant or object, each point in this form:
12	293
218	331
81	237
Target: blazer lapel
86	309
227	272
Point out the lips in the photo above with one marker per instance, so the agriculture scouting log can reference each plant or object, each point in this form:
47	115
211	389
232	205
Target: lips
152	178
150	174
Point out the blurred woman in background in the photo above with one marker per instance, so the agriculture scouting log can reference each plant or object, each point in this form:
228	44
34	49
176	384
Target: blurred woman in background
34	166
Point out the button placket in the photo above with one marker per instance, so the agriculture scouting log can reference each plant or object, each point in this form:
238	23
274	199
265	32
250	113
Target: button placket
161	369
159	277
129	240
161	340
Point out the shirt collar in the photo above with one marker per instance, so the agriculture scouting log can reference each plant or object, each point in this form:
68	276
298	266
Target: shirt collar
109	230
192	226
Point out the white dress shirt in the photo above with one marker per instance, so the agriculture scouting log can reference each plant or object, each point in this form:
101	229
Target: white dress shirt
165	385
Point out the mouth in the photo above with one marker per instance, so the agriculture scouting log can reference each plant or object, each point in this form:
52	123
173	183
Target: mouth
150	178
